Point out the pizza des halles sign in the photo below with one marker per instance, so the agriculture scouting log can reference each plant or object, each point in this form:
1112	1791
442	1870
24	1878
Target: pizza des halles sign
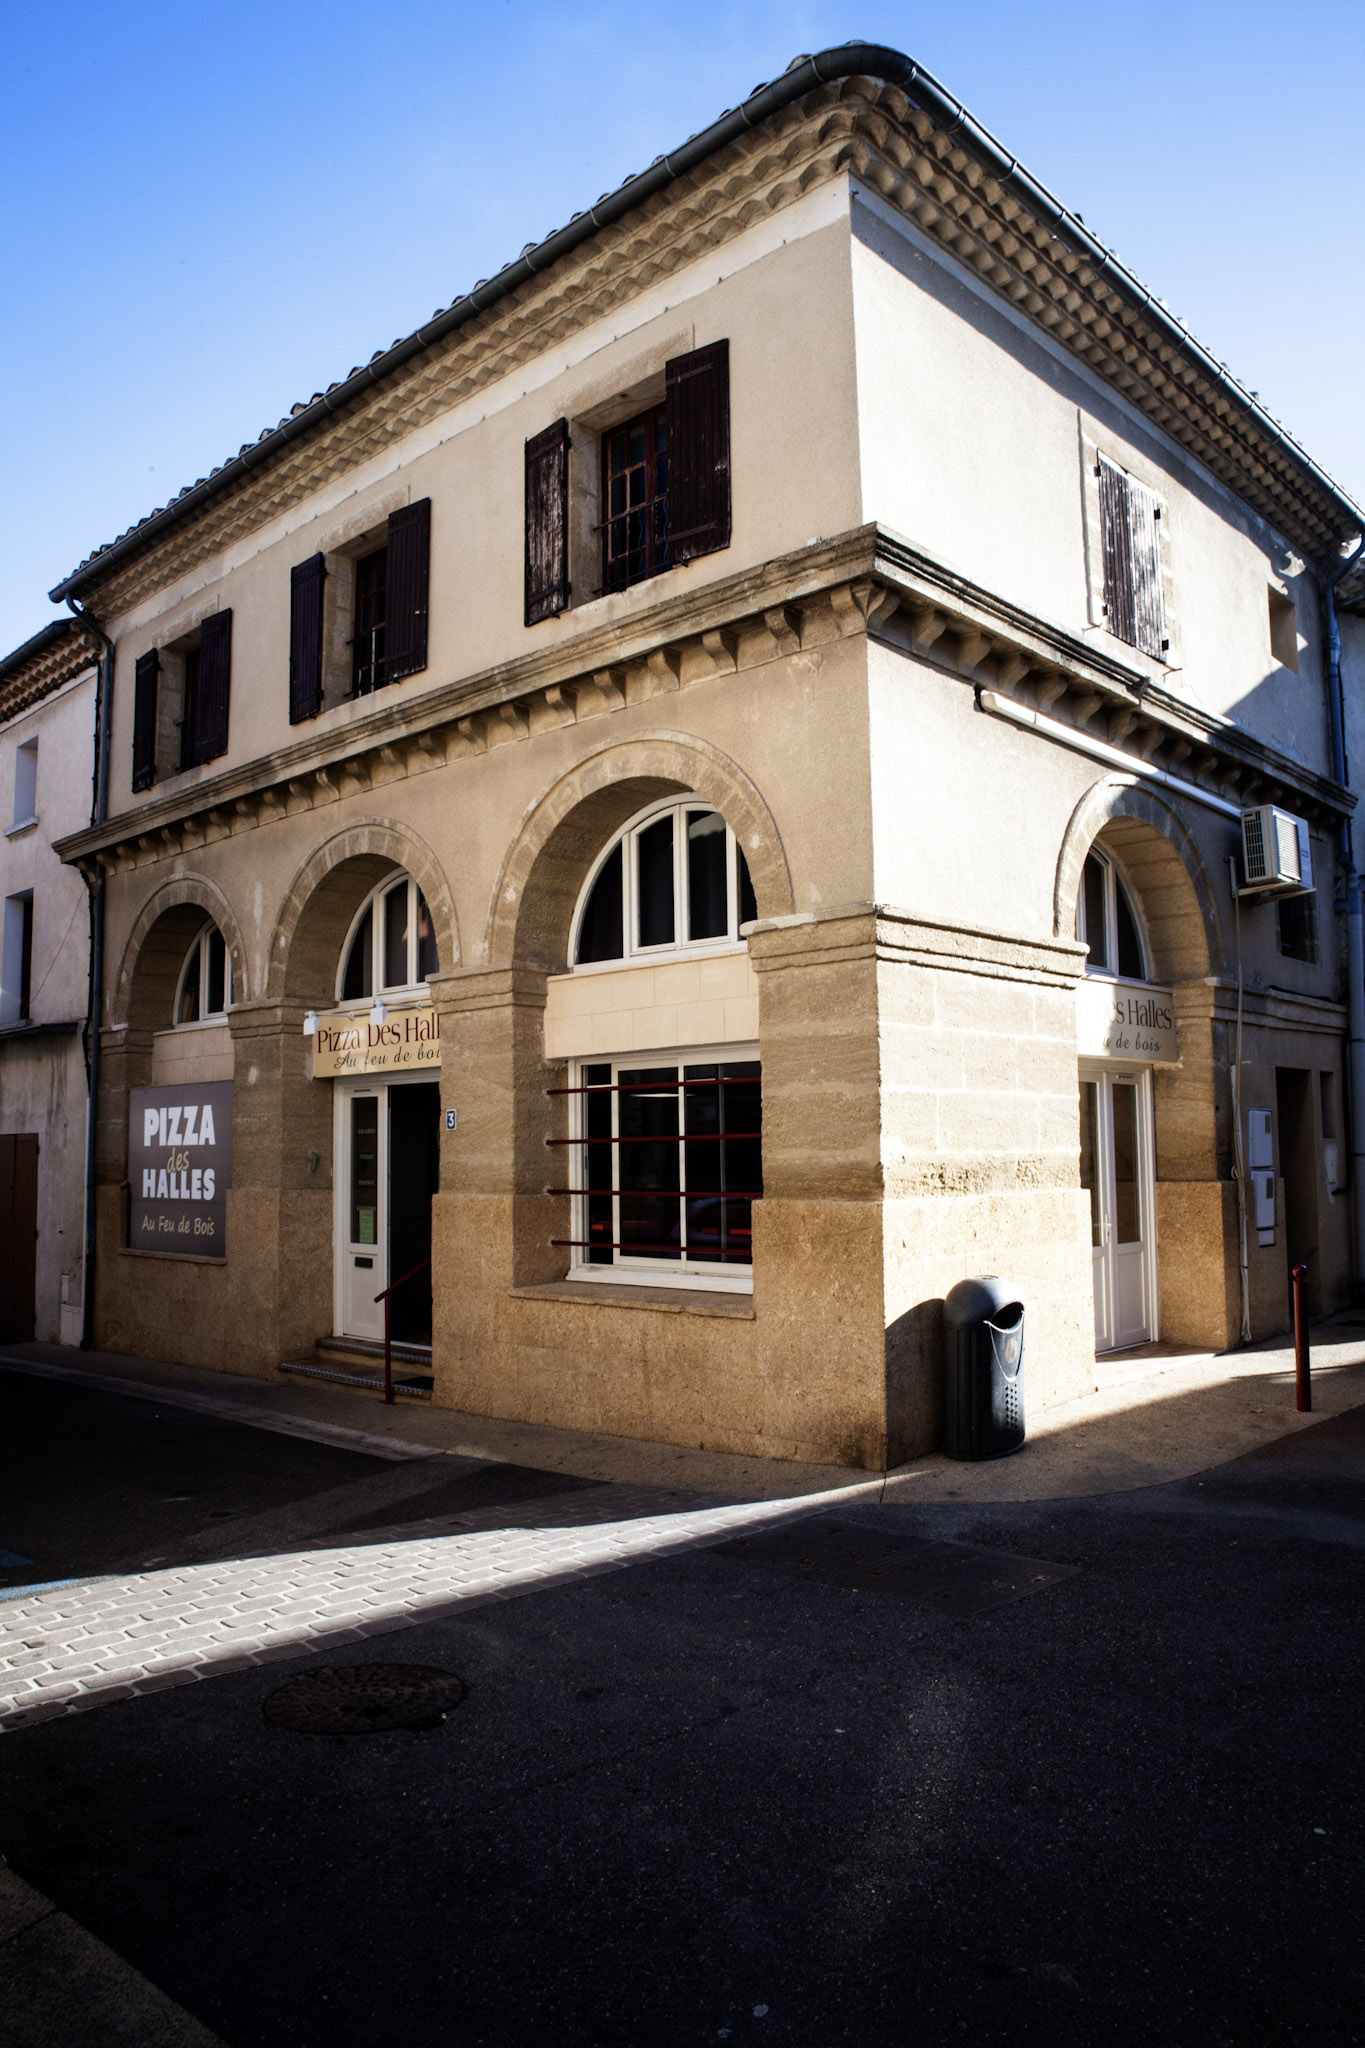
1126	1020
351	1044
180	1168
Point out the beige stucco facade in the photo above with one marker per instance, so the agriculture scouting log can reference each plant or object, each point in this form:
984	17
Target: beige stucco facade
912	525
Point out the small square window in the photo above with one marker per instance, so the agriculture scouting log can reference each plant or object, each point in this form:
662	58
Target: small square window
1299	928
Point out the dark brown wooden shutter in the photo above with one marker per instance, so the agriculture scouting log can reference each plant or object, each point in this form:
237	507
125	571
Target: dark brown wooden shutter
1130	534
698	388
19	1235
405	597
547	523
145	675
215	675
306	580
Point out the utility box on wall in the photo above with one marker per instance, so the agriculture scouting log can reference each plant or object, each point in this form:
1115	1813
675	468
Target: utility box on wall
1261	1171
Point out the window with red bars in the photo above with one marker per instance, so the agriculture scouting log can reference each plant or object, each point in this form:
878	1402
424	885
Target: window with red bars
668	1164
635	499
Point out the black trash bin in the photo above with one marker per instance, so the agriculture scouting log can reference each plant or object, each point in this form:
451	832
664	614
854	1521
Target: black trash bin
983	1344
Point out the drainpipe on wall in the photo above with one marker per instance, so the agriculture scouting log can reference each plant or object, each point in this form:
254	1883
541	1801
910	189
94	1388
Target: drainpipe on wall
99	811
1355	930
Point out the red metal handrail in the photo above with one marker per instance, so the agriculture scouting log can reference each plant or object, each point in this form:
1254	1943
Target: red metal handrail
383	1296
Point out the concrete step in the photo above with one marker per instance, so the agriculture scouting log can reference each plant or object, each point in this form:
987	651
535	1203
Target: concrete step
359	1374
364	1350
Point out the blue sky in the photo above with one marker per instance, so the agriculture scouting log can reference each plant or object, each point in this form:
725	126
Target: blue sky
213	211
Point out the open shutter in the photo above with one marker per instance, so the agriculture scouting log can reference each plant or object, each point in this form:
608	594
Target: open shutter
1144	527
144	718
547	522
1130	517
405	597
215	673
1117	541
698	387
306	580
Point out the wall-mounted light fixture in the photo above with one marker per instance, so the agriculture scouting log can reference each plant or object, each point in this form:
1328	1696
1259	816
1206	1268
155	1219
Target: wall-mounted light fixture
310	1023
378	1012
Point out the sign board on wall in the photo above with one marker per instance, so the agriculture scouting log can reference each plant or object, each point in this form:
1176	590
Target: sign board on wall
347	1044
1126	1020
180	1168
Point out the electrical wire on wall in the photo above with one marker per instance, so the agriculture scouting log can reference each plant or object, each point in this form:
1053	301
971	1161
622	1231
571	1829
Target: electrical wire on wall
1239	1162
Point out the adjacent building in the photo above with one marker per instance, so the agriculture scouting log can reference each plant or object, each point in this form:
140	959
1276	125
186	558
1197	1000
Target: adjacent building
697	801
47	701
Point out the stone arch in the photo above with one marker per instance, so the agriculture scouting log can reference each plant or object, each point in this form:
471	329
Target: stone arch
328	890
143	994
1160	860
563	832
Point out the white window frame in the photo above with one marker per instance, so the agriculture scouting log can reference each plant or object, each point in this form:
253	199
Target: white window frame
25	786
732	1278
1113	882
381	990
627	838
206	1015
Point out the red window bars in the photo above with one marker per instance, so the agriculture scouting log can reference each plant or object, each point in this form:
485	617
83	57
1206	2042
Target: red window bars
669	1164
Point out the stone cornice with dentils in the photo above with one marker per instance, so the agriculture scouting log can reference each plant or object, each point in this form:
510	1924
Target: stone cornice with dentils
874	133
864	582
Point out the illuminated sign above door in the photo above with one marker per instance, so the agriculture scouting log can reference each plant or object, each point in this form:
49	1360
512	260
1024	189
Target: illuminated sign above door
348	1043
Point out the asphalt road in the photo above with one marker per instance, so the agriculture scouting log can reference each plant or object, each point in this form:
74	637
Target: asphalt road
769	1792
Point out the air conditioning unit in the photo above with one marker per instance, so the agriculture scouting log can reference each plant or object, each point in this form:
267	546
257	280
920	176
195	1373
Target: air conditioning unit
1277	859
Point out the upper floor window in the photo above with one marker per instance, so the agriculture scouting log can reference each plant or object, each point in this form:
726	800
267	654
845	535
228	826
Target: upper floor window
391	944
25	785
657	492
1107	922
358	617
635	499
180	701
675	876
16	959
205	986
1130	537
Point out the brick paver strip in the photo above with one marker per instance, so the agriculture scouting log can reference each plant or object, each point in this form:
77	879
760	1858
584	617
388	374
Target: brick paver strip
105	1639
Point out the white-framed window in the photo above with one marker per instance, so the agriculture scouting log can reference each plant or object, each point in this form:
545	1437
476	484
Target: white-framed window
391	946
1107	921
205	986
25	785
672	880
16	959
666	1163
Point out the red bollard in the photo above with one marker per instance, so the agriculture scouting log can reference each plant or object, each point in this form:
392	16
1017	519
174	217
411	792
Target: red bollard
1303	1384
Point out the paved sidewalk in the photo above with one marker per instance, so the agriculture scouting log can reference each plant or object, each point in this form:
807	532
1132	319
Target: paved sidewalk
72	1647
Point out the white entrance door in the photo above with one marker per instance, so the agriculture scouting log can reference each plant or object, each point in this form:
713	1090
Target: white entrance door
362	1233
1117	1171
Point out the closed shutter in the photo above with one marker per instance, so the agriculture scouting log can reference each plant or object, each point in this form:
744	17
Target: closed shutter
215	675
547	523
306	580
405	598
144	718
698	387
1130	533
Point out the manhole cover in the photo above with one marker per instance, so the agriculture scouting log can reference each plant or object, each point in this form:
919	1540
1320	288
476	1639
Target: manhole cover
364	1699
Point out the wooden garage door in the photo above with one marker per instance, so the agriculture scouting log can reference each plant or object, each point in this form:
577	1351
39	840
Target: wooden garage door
18	1234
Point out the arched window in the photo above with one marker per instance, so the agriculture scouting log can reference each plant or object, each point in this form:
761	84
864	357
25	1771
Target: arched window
674	877
391	944
205	985
1108	922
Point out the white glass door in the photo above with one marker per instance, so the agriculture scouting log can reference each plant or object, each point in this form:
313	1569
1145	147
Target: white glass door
1117	1173
362	1233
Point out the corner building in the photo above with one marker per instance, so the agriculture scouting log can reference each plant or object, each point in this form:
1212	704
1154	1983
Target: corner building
697	793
